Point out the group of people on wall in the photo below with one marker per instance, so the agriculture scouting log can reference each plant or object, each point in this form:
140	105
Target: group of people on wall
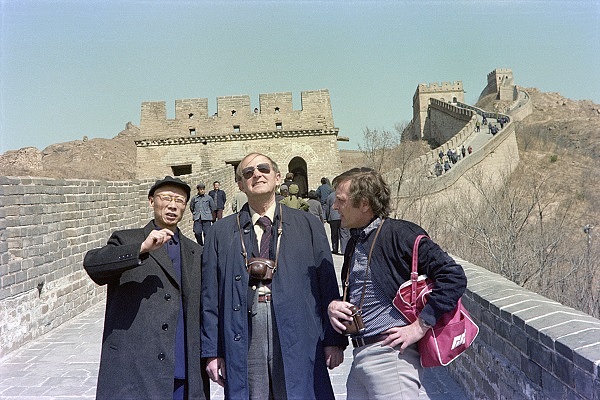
254	304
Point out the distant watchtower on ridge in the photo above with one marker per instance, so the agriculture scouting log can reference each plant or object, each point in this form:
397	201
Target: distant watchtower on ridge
501	82
446	92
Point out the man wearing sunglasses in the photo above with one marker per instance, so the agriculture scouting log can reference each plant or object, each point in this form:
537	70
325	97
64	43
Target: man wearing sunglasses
151	341
269	338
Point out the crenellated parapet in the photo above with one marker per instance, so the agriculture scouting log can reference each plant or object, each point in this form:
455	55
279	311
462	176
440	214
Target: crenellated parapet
457	112
235	115
194	141
456	86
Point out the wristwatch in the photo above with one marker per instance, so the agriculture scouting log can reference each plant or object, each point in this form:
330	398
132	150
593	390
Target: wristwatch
424	324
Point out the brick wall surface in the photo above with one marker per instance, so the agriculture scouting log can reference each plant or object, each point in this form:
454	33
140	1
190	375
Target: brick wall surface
46	227
445	121
319	152
529	347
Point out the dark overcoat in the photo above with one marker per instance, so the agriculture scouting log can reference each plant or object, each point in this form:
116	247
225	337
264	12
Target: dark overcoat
142	308
302	288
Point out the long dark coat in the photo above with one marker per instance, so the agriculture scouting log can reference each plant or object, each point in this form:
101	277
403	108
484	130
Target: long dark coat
142	308
302	288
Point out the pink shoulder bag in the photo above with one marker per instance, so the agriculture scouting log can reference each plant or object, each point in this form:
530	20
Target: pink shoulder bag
454	331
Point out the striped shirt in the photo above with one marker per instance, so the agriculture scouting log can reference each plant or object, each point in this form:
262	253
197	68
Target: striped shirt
377	311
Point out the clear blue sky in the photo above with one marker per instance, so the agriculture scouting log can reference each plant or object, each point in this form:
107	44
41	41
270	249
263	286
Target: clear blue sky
70	69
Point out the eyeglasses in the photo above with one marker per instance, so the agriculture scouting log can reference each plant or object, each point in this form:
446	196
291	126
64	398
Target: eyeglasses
167	198
264	168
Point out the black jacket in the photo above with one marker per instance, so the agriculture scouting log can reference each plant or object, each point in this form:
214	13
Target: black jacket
142	307
392	261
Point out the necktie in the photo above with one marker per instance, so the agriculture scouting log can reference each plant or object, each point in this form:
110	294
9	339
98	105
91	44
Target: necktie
265	241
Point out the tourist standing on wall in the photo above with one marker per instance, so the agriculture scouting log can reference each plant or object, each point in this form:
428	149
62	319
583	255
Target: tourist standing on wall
269	338
289	179
323	191
283	193
202	208
293	201
239	199
378	261
314	205
339	234
219	198
151	340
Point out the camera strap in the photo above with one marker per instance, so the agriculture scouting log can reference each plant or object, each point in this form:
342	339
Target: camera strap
347	281
279	231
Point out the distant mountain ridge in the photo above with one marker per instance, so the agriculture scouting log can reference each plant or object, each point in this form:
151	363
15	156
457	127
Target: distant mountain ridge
574	125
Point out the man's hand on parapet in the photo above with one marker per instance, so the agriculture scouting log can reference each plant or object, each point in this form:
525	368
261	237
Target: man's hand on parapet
155	240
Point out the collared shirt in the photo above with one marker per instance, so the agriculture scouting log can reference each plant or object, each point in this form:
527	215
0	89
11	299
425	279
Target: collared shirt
258	230
255	216
377	311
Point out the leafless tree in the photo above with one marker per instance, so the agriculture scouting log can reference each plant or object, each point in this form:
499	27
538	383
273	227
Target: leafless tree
377	146
515	226
517	229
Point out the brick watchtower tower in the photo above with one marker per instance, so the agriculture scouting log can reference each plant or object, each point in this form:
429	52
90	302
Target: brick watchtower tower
446	92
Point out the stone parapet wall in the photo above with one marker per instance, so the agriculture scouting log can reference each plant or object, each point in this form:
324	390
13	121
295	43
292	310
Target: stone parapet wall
521	107
529	347
46	227
235	115
445	121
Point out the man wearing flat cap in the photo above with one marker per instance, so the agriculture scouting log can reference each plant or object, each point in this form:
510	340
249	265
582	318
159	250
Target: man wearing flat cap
151	340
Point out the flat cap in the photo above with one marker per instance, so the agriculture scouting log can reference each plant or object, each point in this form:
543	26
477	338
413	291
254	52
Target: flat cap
169	180
201	185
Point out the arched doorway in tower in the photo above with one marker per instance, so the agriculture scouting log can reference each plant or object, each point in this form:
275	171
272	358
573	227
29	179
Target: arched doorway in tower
297	166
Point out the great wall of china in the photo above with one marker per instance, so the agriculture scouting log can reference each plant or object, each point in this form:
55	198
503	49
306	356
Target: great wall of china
528	347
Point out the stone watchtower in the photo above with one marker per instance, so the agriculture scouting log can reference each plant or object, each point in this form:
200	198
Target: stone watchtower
301	141
501	82
446	92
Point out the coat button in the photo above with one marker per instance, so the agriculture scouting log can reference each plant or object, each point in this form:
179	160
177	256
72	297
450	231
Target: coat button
161	356
165	327
238	277
236	307
237	337
167	297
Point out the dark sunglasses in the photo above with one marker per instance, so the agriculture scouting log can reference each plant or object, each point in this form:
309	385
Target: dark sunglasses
264	168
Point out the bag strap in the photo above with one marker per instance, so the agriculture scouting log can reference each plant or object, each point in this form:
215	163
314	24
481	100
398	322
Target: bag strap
347	281
414	274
